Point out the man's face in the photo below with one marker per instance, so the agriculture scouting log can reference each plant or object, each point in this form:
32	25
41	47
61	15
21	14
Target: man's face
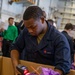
34	27
51	23
11	21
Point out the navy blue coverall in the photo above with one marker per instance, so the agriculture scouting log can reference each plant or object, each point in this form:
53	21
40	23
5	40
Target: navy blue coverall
53	49
71	44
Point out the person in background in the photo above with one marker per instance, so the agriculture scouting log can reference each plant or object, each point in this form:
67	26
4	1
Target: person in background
74	52
20	26
9	36
50	21
16	24
67	29
42	43
44	14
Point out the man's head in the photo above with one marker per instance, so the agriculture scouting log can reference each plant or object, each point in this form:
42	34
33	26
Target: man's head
68	27
50	21
10	20
34	20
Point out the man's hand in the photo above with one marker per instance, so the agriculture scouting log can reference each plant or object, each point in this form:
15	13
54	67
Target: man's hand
60	72
16	72
2	29
73	63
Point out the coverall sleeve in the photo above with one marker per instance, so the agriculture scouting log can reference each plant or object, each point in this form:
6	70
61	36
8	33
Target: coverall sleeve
71	46
19	44
62	54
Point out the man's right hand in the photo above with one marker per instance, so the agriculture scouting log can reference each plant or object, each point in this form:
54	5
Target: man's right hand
2	29
17	72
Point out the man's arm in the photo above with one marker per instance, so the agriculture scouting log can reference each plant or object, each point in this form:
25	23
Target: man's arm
15	60
16	48
62	55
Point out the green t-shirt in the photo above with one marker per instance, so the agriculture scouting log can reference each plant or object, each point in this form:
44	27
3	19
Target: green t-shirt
11	33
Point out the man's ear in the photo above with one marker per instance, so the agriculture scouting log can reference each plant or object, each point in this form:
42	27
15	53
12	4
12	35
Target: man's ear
42	20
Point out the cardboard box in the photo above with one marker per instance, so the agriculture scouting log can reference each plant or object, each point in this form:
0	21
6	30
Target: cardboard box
7	69
0	65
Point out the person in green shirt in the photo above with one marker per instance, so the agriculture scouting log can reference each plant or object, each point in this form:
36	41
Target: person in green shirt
9	36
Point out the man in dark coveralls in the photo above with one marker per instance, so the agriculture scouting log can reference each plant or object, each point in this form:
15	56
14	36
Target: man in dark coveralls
42	43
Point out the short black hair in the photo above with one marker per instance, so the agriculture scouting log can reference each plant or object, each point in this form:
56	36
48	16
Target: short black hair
10	18
69	26
32	12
